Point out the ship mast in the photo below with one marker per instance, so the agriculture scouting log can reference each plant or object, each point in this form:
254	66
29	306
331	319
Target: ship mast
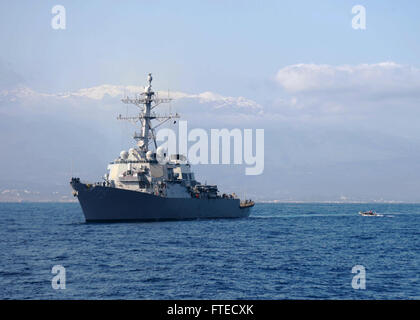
147	101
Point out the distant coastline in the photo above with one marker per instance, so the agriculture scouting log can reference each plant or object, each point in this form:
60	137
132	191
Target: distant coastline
258	202
338	201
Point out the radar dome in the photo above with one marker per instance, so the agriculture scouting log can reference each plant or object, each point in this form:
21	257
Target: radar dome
149	155
160	152
124	155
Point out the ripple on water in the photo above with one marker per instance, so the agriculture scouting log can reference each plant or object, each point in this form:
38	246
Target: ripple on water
283	251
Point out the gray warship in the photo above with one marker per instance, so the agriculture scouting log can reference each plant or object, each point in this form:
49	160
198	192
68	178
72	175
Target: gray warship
145	184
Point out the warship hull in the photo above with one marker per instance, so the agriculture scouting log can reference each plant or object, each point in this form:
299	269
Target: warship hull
108	204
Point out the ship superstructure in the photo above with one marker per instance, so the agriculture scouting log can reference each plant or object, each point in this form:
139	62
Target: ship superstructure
144	183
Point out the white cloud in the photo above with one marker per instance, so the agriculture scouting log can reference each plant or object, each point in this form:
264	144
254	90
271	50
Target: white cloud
370	90
387	78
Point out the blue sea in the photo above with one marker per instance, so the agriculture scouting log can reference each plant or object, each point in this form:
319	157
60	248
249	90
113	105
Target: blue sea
282	251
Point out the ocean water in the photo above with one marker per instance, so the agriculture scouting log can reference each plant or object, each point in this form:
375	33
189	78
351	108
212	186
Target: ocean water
283	251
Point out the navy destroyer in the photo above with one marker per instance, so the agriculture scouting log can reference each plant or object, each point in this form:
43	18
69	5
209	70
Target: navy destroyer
146	184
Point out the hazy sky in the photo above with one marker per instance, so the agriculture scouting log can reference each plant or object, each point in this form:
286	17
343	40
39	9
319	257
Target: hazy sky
340	107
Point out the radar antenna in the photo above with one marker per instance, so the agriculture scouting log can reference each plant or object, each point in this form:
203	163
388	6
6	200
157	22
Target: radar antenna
147	101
